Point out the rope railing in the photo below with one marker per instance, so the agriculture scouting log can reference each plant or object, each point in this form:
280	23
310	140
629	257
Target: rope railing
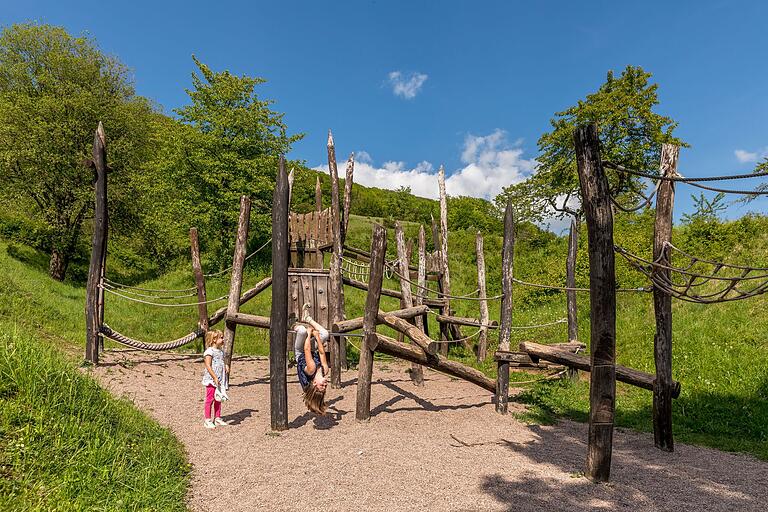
468	296
158	297
143	345
159	304
249	256
680	178
157	290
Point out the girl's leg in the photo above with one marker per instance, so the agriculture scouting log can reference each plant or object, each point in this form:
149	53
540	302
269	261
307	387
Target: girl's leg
209	393
216	409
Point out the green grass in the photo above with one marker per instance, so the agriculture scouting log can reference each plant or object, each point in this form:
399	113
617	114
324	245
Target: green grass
66	444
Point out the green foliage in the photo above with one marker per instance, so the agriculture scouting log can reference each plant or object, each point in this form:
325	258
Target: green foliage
631	134
54	89
66	444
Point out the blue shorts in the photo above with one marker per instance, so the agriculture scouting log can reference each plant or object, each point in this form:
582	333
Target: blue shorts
301	363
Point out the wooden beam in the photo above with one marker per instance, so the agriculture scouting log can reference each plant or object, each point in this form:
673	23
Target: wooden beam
596	202
278	329
392	347
197	269
336	295
566	357
98	250
370	340
390	293
662	303
413	332
469	322
505	330
482	340
236	280
221	313
250	320
354	324
417	372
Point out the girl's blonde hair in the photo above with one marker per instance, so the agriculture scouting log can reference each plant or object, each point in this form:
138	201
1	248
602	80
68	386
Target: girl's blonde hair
211	337
314	399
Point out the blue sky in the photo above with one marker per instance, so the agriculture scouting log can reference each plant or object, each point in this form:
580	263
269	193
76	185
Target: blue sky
471	85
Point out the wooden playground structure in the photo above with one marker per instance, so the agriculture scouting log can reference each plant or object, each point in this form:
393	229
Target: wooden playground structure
300	243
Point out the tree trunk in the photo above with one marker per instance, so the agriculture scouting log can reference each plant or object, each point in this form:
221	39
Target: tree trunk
57	266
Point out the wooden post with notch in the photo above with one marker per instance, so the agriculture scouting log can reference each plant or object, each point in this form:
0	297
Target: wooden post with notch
570	295
236	279
278	325
505	329
197	269
662	303
370	341
596	202
335	280
482	340
417	371
93	317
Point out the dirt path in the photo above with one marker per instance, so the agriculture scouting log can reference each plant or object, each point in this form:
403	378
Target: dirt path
440	447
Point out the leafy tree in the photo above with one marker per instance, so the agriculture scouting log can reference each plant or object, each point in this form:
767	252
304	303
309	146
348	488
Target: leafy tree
54	89
474	214
631	134
226	144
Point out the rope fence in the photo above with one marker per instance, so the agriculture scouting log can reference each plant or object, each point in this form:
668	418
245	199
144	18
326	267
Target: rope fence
159	304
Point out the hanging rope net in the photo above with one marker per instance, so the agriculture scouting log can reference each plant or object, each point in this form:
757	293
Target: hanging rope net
143	345
699	280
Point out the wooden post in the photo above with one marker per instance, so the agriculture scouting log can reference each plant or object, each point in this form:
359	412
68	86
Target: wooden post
482	340
290	188
318	195
197	269
336	285
100	301
236	280
417	372
278	326
454	330
596	201
570	295
505	329
370	341
662	304
98	252
421	278
348	180
440	287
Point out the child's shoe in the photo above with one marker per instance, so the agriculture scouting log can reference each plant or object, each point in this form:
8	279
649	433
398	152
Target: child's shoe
220	422
209	424
305	317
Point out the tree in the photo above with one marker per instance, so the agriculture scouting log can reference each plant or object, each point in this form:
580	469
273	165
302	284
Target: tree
54	89
227	144
631	134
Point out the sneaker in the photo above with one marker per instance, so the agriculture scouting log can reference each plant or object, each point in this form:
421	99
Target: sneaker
209	424
220	422
305	313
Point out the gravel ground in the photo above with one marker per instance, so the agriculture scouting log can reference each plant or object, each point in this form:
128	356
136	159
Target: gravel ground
439	447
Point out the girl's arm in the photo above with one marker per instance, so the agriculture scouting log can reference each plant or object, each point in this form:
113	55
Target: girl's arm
321	350
208	359
311	368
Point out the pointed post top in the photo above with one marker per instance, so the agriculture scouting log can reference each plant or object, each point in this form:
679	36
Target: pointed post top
330	138
352	157
441	170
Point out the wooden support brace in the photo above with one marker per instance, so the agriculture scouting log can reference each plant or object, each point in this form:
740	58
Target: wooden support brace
236	280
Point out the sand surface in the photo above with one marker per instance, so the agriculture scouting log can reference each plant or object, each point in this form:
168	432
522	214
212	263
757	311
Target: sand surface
437	447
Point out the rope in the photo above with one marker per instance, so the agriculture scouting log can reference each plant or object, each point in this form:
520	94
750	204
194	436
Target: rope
534	381
113	292
537	326
567	289
220	272
158	290
142	345
460	340
159	297
445	295
652	176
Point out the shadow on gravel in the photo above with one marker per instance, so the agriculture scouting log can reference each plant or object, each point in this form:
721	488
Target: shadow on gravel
330	420
239	416
421	404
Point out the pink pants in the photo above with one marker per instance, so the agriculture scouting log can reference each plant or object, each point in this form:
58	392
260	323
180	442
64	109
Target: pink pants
210	390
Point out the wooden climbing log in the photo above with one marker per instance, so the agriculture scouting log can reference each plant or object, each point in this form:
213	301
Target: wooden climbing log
336	295
278	329
440	303
99	249
417	372
197	269
596	202
236	280
413	332
505	330
354	324
370	340
221	313
250	320
662	303
482	340
566	357
469	322
392	347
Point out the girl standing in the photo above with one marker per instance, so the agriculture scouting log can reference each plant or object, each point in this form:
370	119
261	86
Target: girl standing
213	377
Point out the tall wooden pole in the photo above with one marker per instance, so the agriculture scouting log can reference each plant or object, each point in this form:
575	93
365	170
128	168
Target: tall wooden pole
440	287
417	372
570	295
505	329
197	269
236	280
421	278
348	179
596	201
98	252
336	284
278	325
318	195
290	188
456	333
482	340
662	304
370	340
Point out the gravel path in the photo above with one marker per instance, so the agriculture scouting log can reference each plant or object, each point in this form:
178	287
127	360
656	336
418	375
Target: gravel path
440	447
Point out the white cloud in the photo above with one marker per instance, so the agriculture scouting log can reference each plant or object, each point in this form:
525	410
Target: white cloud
406	85
490	163
744	156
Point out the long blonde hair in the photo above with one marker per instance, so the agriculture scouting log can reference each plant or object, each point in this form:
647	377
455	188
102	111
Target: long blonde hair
211	337
314	399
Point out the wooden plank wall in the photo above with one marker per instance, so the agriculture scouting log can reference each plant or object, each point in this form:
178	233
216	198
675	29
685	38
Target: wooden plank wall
308	286
308	235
